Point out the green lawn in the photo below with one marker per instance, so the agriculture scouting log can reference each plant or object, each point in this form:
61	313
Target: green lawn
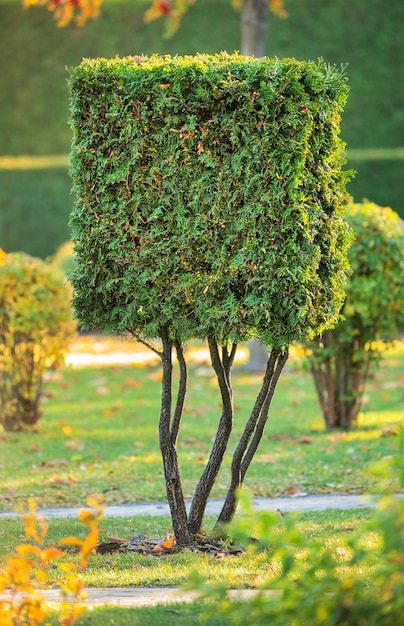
99	435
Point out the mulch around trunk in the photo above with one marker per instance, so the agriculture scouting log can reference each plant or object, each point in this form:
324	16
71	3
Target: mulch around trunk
140	544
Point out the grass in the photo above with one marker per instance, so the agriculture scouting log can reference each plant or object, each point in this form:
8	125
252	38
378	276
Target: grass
330	528
99	435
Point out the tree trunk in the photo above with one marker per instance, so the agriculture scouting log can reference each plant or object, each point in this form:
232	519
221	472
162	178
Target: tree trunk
254	26
168	445
222	368
340	372
252	433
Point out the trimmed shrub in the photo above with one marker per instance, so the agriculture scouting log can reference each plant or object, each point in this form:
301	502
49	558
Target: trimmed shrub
210	197
373	311
63	258
35	325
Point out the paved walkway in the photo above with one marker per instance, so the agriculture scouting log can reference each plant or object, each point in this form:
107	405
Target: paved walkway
300	502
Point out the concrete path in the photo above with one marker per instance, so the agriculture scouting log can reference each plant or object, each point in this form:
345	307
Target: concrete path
300	502
132	597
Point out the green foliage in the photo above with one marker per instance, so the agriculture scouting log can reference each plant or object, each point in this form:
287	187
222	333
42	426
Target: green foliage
63	258
209	196
35	324
35	206
34	98
373	310
317	586
374	306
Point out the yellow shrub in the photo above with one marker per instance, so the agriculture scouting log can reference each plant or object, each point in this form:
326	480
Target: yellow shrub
35	326
23	604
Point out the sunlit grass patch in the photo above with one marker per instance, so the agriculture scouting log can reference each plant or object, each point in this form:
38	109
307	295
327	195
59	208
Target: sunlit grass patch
99	434
329	529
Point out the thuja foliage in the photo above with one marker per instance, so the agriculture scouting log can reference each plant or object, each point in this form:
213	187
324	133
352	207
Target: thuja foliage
317	586
210	193
373	314
35	325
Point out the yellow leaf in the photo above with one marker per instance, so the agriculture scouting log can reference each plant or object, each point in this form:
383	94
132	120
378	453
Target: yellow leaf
50	553
26	548
88	546
71	541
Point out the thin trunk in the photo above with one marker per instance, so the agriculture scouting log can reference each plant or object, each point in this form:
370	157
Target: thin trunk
168	451
259	430
222	368
252	433
182	388
254	26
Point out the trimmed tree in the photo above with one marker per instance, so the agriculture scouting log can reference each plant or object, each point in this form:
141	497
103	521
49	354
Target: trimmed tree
209	205
372	315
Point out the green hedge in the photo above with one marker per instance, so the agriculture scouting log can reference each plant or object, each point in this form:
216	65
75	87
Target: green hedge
209	196
34	94
34	210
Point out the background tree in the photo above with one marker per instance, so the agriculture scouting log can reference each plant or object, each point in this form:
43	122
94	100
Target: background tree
373	314
209	205
253	16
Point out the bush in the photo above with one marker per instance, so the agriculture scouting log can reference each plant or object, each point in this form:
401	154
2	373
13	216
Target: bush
63	258
317	587
35	325
22	603
373	311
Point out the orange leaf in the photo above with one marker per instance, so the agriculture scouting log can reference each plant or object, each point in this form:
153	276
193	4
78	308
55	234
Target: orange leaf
26	548
305	439
50	553
165	545
88	518
71	541
88	546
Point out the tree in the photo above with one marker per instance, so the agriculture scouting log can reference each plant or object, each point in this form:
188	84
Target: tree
372	315
209	205
253	16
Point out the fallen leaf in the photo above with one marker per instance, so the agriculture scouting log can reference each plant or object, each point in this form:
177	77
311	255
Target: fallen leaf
292	489
266	458
389	432
55	463
165	545
132	382
305	439
74	444
102	390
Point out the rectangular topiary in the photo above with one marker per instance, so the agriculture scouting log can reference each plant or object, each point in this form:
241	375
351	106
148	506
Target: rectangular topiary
210	172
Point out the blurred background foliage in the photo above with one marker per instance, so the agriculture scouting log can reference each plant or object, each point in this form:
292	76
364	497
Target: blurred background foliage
35	196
